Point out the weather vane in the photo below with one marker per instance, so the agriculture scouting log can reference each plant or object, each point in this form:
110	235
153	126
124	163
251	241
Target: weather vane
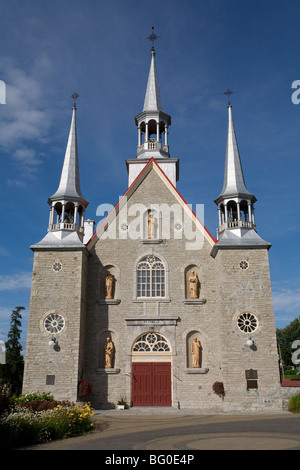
75	96
153	37
228	92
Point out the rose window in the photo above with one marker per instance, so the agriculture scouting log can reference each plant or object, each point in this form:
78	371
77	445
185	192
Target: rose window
57	267
54	323
244	265
247	322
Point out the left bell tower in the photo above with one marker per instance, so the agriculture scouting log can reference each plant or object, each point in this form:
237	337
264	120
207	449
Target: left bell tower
54	349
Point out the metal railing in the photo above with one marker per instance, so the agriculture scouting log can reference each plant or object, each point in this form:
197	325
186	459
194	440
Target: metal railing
231	224
65	226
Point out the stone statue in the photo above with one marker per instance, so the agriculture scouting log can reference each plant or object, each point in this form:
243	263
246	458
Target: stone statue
194	285
109	352
151	226
109	285
196	352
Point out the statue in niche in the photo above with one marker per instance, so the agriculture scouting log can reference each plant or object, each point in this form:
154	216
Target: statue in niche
151	226
196	352
109	352
109	285
194	285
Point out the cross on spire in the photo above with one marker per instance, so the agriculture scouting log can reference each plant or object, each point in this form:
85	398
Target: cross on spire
75	96
153	37
228	92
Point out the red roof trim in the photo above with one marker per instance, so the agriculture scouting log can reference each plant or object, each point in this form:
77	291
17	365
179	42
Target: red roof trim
139	176
214	239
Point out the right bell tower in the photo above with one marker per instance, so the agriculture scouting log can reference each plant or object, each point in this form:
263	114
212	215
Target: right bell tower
235	203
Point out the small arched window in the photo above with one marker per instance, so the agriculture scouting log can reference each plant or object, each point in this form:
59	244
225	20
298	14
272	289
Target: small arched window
151	277
151	343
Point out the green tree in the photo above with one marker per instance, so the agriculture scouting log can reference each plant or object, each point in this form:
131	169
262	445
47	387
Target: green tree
285	337
12	371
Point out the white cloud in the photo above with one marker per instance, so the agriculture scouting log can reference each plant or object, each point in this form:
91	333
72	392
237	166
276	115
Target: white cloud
13	282
26	120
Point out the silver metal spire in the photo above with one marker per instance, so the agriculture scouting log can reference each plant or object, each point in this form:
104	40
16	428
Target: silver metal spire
237	227
69	186
67	206
234	182
152	98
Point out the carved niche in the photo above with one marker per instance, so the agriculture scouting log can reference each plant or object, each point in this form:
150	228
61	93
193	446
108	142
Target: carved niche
192	282
109	282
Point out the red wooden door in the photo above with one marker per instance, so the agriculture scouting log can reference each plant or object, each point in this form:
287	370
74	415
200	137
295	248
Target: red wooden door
151	384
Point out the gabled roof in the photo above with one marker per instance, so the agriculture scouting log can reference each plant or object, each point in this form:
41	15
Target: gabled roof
152	165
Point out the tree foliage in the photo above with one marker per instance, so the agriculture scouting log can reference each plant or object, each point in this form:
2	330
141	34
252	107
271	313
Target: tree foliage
12	371
285	337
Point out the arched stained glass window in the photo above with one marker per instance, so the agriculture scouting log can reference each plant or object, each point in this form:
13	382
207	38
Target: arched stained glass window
151	277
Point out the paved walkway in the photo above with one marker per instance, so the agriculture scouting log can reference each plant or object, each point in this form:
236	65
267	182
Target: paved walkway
184	430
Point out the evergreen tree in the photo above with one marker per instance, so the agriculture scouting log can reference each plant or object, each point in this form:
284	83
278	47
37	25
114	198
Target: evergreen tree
12	370
285	337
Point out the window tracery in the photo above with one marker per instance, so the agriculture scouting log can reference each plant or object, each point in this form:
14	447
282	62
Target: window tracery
151	342
247	322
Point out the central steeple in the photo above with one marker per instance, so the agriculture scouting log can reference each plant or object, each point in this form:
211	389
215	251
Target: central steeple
152	98
153	127
152	122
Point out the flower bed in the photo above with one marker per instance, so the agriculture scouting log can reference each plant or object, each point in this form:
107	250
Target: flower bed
25	426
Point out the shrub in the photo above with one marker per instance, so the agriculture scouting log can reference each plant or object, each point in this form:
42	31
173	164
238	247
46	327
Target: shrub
31	397
27	427
5	398
292	372
218	388
41	405
85	389
294	404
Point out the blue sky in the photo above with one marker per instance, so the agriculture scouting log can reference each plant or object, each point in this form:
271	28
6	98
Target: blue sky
50	49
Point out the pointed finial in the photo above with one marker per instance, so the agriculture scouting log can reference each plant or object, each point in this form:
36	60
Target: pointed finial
228	92
75	96
152	37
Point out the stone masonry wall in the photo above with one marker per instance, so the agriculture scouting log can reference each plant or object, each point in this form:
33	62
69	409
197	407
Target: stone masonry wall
224	357
247	291
61	292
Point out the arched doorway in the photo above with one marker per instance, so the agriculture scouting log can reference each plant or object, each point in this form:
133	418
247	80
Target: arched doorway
151	371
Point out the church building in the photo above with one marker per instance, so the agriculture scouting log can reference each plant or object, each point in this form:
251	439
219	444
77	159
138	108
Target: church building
150	306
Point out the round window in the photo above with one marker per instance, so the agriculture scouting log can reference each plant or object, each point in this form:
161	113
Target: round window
54	323
57	267
247	322
244	264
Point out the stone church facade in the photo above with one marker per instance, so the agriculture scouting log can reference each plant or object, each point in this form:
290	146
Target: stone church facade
150	306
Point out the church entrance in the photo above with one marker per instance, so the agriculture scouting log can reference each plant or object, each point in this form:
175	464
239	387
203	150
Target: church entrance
151	384
151	371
